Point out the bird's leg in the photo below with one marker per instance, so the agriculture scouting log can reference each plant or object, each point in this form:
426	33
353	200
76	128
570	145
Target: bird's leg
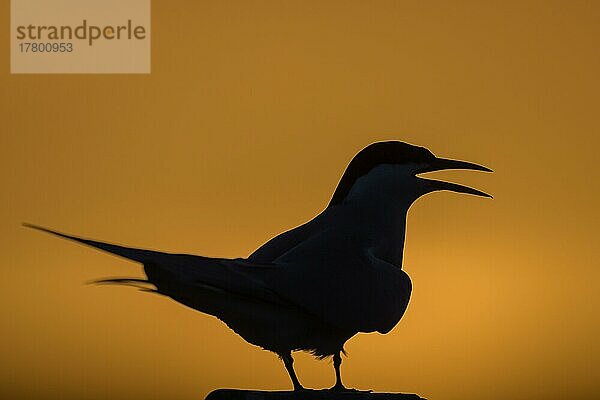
337	362
288	361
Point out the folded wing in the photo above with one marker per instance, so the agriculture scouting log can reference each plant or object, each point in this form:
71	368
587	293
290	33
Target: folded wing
346	286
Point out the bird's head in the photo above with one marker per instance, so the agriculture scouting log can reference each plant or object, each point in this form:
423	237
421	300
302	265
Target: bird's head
389	170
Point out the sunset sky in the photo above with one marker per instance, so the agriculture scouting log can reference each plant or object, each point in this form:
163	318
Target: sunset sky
242	130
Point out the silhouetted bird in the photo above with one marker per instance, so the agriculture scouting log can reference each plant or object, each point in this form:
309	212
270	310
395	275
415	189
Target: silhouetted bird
314	287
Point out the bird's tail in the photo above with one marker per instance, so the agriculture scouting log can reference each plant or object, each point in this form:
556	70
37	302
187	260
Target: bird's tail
139	255
141	284
177	274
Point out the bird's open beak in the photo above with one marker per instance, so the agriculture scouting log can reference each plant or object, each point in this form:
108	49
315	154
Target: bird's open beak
443	163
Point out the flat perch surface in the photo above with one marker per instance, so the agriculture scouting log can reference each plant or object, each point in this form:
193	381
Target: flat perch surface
233	394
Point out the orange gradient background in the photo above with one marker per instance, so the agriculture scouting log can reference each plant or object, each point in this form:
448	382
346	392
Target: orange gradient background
251	113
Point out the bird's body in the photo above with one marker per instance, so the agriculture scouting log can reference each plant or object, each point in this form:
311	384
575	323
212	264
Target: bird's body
313	287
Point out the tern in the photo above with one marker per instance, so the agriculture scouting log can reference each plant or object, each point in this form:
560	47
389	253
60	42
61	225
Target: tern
315	286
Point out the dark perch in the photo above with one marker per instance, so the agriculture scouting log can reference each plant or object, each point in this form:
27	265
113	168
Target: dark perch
234	394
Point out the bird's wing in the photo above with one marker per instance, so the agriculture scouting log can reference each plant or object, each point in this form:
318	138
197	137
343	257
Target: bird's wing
173	274
341	283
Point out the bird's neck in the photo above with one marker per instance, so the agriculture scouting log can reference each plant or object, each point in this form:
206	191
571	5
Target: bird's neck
383	225
380	201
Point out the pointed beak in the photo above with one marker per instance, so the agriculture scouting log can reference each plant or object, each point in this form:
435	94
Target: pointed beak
434	186
440	164
445	163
